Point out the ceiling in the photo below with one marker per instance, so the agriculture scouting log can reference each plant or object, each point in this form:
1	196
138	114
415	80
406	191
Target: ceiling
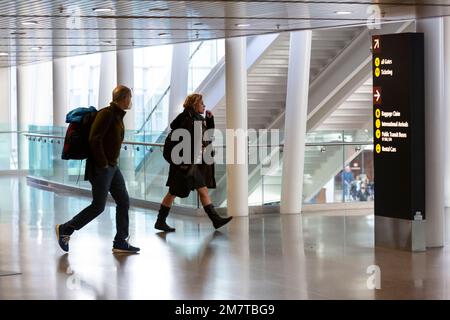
39	30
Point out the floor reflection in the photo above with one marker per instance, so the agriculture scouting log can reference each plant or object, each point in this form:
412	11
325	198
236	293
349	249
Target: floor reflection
308	256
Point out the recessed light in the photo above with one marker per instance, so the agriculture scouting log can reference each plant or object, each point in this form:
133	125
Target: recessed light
343	12
3	54
164	34
105	42
18	33
35	48
158	9
29	23
198	24
101	10
242	25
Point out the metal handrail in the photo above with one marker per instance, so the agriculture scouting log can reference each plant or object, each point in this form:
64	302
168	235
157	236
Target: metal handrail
48	136
165	93
148	144
4	132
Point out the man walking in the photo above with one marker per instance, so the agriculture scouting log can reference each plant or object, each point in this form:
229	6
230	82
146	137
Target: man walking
105	139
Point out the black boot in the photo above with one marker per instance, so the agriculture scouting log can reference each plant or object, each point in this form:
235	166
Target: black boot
161	224
217	220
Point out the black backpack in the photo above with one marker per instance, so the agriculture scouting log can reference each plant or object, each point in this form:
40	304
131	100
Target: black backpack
76	141
168	147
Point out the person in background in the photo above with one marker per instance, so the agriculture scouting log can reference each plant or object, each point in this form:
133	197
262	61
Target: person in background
347	179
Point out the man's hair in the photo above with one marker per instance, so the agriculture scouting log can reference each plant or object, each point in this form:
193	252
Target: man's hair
191	100
120	92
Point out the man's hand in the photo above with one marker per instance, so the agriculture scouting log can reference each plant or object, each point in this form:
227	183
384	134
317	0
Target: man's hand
209	114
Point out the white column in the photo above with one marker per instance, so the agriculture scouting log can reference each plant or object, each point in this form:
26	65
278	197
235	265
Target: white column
60	91
125	76
108	78
22	121
236	114
447	129
435	131
5	125
5	93
295	122
447	110
178	79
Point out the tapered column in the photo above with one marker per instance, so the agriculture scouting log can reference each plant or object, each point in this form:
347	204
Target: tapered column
295	122
60	91
125	76
236	113
108	78
22	122
178	79
435	131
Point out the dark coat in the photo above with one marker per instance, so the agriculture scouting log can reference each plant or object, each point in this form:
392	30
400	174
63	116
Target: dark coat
105	138
185	178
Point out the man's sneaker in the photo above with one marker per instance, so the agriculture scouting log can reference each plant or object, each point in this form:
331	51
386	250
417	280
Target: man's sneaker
124	247
63	239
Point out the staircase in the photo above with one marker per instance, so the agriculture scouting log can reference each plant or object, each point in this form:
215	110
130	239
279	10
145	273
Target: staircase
267	80
267	84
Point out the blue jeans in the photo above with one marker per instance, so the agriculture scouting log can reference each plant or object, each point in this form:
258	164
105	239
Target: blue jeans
104	180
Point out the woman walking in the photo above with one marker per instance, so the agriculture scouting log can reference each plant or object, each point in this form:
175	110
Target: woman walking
185	178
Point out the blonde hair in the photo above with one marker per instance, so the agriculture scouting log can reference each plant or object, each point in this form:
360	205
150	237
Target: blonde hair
191	100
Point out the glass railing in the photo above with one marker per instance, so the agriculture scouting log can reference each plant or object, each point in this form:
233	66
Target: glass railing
8	149
325	180
45	147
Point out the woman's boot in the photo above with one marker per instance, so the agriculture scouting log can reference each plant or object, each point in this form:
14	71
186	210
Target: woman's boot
161	224
217	220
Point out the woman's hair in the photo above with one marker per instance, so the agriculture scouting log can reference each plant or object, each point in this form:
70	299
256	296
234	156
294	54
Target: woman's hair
191	100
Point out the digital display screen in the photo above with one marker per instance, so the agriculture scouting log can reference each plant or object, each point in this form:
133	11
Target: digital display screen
398	124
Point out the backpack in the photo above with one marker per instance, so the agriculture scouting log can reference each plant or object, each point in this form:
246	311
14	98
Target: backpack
76	141
169	144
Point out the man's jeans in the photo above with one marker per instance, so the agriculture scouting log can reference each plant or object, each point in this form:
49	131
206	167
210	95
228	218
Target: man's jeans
104	180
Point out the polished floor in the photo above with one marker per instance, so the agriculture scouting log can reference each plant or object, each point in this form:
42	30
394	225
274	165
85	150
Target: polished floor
311	256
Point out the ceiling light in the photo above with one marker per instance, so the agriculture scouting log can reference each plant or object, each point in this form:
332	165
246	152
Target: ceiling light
158	9
3	54
164	34
35	48
29	23
241	25
198	24
18	33
343	12
105	42
101	10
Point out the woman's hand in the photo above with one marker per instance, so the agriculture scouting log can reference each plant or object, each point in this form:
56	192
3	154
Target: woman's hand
209	114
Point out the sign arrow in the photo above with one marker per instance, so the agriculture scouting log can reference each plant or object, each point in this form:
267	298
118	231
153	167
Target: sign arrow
377	95
376	44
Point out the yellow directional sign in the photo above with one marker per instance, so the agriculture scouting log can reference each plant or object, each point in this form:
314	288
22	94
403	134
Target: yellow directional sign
377	62
378	148
377	113
378	123
377	72
378	133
